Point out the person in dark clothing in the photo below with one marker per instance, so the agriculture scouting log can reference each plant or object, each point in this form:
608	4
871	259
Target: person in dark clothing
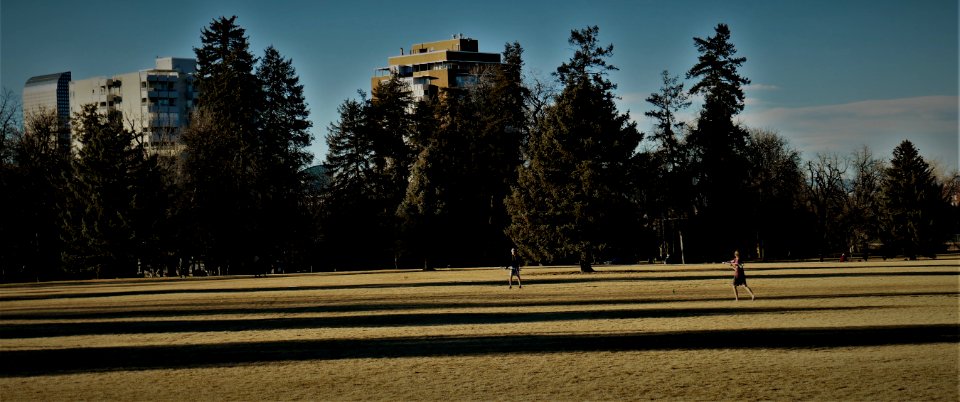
739	277
514	268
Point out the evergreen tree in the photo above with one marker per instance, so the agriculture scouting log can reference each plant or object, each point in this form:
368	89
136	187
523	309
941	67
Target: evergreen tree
571	198
347	212
502	108
349	151
391	128
369	163
282	159
112	198
222	149
466	164
33	176
441	204
667	191
671	100
151	210
913	205
717	147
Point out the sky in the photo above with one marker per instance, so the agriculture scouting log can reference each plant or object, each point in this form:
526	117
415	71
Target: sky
830	76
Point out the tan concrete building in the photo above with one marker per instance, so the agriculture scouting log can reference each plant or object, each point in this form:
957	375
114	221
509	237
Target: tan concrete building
155	103
452	63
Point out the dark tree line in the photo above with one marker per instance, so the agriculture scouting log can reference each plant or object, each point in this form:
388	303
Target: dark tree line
235	200
455	179
565	181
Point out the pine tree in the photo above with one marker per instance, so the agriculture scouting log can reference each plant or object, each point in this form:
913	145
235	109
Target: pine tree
349	150
502	115
369	162
441	195
913	204
33	177
466	164
112	198
671	100
571	199
717	146
222	148
281	160
667	190
347	211
391	128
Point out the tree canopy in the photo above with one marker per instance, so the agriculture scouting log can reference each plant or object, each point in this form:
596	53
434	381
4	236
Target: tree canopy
571	200
455	178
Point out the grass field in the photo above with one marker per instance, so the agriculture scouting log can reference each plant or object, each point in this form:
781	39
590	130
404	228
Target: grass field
817	331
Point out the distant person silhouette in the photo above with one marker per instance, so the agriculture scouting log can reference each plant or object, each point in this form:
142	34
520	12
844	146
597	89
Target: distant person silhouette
514	268
739	277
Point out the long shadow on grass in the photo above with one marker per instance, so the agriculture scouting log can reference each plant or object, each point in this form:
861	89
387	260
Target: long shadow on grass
498	282
14	331
202	309
44	362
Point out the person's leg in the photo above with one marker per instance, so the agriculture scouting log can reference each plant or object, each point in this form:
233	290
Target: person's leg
736	296
751	292
510	281
518	281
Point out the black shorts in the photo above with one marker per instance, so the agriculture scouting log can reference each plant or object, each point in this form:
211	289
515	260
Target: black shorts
740	280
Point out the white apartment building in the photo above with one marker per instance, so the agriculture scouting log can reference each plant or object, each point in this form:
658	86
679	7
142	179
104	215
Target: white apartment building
154	103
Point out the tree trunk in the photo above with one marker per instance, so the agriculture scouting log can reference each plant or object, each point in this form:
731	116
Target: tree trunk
585	267
586	257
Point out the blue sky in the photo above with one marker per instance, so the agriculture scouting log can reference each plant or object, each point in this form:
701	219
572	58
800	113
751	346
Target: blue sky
830	76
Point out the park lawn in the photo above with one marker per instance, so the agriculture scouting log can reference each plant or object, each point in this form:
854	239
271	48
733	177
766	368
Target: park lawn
853	331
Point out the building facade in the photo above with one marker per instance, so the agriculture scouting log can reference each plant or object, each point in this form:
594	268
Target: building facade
453	63
45	94
155	103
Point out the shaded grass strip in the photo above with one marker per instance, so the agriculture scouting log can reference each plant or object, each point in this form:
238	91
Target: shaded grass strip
22	331
46	362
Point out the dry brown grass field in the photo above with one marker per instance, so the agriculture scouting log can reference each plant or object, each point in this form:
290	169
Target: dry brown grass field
817	331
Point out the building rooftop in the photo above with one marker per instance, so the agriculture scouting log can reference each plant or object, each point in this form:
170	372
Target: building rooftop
46	78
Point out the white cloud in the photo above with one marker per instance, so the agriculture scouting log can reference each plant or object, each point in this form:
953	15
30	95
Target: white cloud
760	87
930	122
632	98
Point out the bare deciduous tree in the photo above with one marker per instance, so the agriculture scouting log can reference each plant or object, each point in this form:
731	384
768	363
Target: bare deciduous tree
826	198
865	202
